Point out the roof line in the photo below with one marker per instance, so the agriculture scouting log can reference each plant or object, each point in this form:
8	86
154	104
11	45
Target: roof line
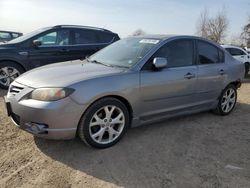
81	26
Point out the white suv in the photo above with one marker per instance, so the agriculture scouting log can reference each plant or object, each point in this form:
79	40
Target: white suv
240	54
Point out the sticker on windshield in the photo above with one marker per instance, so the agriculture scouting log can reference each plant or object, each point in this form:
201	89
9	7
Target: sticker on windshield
149	41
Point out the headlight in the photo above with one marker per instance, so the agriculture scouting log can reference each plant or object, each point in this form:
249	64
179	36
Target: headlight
51	94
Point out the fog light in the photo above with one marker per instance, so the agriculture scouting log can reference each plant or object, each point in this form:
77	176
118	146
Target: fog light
36	128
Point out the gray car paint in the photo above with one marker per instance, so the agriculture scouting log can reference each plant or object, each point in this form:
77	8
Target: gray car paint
152	95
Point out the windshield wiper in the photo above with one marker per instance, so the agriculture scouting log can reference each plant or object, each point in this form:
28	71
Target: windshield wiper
108	65
97	62
120	66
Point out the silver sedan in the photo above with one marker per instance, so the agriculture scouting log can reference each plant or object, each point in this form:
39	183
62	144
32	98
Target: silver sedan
134	81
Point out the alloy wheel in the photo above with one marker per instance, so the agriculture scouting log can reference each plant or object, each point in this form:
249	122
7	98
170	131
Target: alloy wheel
107	124
8	75
228	100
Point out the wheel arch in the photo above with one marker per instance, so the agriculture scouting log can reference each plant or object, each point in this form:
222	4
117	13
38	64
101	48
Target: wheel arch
236	83
13	61
118	97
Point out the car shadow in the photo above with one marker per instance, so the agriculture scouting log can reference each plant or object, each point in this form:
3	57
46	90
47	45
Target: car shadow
163	154
3	92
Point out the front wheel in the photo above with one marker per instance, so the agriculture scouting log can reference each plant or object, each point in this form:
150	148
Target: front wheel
227	100
9	71
104	123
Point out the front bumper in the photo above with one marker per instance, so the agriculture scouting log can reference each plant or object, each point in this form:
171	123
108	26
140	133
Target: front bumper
52	120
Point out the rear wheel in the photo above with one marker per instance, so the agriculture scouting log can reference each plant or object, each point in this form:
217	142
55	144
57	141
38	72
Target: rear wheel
227	100
104	123
9	71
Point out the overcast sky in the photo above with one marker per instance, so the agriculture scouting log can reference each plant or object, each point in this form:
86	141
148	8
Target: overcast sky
121	16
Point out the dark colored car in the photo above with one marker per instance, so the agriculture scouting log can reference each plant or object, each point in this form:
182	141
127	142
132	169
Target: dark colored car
50	45
8	35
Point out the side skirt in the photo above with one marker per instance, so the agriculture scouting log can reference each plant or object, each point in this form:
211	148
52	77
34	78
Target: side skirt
174	113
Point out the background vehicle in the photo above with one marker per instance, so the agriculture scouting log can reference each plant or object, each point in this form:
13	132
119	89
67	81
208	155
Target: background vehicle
247	50
240	54
50	45
8	35
131	82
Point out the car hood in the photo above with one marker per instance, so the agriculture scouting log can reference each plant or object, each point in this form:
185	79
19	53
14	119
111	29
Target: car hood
65	74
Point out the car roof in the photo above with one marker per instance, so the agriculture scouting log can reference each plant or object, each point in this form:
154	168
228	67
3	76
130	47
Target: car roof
237	47
165	37
230	46
82	27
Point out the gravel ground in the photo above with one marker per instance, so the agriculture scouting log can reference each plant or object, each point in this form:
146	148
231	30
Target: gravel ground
201	150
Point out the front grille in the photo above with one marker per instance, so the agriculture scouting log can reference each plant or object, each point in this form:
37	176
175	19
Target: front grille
15	89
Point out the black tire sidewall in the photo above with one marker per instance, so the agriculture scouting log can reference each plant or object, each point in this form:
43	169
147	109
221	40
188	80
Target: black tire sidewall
10	64
83	129
221	97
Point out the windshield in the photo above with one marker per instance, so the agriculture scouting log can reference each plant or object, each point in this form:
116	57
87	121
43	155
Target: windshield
124	53
27	36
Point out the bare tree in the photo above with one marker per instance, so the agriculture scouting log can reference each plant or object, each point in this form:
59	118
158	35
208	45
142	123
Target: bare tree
202	23
236	40
213	28
138	32
246	34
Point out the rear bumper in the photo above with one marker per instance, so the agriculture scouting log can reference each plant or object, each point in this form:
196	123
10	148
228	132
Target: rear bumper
51	120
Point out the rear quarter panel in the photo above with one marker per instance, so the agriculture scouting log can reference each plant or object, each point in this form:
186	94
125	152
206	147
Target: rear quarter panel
235	70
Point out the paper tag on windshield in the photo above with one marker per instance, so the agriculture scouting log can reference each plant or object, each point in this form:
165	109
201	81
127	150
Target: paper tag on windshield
149	41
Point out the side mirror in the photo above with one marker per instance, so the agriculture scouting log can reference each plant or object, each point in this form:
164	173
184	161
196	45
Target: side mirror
37	43
160	63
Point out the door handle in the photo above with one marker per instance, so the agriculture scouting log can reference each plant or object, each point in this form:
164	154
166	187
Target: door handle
222	72
242	56
189	75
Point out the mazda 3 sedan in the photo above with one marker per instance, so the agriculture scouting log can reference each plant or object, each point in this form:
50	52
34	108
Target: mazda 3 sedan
134	81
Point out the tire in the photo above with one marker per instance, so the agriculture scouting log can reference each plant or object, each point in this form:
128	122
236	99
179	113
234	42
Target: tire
8	72
100	129
224	102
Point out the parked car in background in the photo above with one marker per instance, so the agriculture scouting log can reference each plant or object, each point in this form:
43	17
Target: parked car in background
50	45
240	54
8	35
134	81
247	49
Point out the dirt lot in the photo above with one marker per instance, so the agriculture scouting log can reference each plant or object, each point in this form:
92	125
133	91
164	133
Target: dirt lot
202	150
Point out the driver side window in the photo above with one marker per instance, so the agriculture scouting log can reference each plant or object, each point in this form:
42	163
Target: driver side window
55	38
179	53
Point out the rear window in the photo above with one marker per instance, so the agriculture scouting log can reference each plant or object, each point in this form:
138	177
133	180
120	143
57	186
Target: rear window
105	37
82	36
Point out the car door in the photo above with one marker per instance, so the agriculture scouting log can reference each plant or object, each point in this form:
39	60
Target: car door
54	48
172	88
85	43
212	72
